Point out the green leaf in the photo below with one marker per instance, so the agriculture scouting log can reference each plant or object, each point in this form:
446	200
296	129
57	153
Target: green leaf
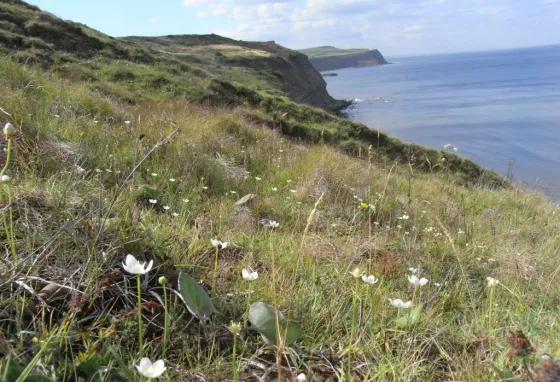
197	300
11	371
263	318
506	376
411	318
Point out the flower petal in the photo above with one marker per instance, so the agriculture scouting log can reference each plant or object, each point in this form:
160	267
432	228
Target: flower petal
158	368
130	260
151	263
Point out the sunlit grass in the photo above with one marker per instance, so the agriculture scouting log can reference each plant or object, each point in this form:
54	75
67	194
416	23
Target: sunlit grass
67	216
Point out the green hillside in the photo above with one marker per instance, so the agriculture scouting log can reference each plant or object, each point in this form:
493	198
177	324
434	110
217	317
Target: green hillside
150	147
328	51
325	58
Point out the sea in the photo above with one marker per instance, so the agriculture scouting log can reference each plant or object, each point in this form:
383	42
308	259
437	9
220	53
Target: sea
499	108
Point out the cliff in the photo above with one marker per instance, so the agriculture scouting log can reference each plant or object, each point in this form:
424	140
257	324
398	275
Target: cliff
31	35
261	65
331	58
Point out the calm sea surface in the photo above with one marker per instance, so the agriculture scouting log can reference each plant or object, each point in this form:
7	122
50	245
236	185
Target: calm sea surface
495	107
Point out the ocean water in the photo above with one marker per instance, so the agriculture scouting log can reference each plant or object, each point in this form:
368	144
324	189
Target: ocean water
499	108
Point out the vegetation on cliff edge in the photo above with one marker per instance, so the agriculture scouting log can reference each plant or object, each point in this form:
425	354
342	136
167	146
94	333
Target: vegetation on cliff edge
105	167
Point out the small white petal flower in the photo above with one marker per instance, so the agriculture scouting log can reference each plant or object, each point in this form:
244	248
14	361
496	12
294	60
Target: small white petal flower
274	189
172	179
448	146
455	149
249	276
175	214
135	267
369	279
301	378
186	200
269	223
414	280
413	270
153	201
293	191
398	303
218	244
289	181
98	170
153	174
166	208
404	217
205	187
492	281
149	369
437	284
5	178
258	178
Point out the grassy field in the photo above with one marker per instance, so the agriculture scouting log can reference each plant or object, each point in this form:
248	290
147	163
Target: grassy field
116	164
83	173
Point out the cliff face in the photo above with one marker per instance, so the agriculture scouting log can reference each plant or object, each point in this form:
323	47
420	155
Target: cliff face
291	70
266	65
369	58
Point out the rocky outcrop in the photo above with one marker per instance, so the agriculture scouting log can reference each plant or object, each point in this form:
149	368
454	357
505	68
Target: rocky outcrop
297	76
369	58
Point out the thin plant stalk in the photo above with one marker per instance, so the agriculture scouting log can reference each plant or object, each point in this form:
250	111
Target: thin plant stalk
353	328
234	359
165	320
247	307
490	306
215	275
9	228
140	342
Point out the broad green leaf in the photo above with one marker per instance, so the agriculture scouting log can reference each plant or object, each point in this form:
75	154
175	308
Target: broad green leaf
507	376
11	371
411	318
263	318
197	300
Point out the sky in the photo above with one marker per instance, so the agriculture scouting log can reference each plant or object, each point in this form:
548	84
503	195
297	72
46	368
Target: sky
395	27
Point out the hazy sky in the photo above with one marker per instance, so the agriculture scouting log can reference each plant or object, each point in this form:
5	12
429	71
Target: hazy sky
396	27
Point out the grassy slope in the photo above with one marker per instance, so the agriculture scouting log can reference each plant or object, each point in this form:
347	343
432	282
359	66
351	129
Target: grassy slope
73	155
132	71
329	51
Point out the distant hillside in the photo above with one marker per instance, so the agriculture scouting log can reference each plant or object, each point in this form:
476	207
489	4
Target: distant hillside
331	58
198	66
329	51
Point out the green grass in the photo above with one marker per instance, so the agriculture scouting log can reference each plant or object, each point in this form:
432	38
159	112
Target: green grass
104	131
329	51
73	226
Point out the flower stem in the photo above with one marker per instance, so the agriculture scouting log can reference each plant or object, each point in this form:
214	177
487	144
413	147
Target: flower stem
138	282
353	328
248	306
490	303
9	229
215	276
165	320
234	358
